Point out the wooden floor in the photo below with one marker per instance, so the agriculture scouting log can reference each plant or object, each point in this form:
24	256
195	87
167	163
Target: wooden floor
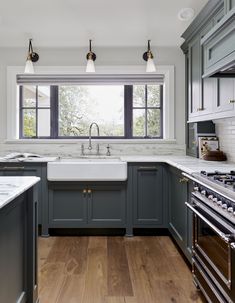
113	270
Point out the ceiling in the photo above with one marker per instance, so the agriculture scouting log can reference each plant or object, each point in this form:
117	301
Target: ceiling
110	23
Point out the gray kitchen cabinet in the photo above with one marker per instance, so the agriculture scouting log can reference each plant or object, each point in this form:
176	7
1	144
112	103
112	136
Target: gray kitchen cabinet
218	44
225	95
67	206
148	200
107	206
229	4
194	78
180	219
74	205
25	169
18	249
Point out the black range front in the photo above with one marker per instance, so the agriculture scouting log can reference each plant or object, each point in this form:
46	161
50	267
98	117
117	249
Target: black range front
213	243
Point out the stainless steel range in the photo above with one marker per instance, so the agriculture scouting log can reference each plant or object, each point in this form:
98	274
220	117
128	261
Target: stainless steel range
213	206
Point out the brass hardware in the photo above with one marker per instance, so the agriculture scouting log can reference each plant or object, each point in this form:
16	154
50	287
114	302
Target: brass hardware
84	191
89	191
200	109
231	101
183	180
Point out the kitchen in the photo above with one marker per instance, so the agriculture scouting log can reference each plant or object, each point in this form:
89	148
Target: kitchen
117	164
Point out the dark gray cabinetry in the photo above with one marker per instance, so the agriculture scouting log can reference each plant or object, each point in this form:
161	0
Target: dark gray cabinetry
180	220
67	206
76	205
18	250
147	195
32	169
107	206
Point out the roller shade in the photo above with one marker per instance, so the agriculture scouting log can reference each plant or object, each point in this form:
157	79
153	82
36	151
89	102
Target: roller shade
73	79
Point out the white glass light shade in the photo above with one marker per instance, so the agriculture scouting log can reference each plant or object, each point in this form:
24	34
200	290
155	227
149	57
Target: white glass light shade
29	69
150	68
90	68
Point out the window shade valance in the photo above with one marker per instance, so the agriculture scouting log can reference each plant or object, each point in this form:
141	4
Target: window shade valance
73	79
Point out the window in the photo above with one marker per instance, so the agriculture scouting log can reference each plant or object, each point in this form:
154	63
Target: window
66	111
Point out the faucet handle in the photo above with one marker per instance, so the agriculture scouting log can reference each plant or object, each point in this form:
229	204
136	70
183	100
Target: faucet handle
108	151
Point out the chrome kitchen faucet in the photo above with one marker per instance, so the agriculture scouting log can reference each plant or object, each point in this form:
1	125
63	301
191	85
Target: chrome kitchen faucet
98	133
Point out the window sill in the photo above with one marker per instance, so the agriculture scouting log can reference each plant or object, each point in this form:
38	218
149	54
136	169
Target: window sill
76	141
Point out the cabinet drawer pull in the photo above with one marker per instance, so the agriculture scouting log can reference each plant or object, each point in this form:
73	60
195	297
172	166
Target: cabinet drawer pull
84	191
12	168
89	191
183	180
231	101
147	168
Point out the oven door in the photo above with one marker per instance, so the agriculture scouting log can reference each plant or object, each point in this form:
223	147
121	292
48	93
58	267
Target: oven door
213	246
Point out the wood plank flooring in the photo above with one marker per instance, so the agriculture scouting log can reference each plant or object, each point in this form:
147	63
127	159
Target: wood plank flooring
113	270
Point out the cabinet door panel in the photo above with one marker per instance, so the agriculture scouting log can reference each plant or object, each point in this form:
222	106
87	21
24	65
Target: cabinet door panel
107	206
225	94
194	77
67	207
148	195
178	196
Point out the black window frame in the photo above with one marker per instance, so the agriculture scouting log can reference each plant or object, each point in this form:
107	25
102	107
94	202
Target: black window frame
128	115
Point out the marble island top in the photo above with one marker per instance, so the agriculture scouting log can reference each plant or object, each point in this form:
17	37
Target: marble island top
12	187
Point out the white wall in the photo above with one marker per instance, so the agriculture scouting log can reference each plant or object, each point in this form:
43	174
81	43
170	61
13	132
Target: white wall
105	56
225	130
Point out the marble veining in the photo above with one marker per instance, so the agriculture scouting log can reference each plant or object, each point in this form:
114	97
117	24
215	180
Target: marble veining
12	187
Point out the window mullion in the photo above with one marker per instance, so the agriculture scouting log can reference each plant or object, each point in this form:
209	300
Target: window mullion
128	112
54	111
146	111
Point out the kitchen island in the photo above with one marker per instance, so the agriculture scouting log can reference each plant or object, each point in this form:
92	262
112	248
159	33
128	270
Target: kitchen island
18	239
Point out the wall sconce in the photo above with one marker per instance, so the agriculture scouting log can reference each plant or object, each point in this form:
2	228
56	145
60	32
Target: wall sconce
148	56
31	58
91	57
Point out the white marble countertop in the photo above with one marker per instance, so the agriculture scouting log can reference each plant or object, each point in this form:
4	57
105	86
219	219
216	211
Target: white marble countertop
12	187
185	163
29	160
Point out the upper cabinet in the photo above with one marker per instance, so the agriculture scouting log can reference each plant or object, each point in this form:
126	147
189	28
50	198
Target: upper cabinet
209	44
229	4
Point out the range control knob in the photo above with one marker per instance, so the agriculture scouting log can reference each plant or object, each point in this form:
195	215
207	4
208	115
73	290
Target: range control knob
215	200
203	192
224	206
219	203
210	197
230	209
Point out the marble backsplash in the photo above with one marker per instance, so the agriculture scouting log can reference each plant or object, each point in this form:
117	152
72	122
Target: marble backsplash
73	149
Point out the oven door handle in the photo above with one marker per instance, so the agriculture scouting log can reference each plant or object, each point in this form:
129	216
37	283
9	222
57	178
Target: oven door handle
223	236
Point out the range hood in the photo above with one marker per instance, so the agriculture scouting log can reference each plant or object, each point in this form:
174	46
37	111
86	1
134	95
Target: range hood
219	48
225	72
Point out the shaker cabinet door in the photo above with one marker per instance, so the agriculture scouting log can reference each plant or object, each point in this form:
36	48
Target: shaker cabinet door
148	195
67	207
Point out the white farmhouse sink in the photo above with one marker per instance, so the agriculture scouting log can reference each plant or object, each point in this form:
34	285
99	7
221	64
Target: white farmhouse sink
88	169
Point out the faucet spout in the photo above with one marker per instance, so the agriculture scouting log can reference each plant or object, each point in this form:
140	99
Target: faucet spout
98	133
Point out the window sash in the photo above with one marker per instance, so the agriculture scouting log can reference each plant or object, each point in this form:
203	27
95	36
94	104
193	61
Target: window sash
128	115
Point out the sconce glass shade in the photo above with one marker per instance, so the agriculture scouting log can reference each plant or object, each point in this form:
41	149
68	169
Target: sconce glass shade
150	67
90	67
29	69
